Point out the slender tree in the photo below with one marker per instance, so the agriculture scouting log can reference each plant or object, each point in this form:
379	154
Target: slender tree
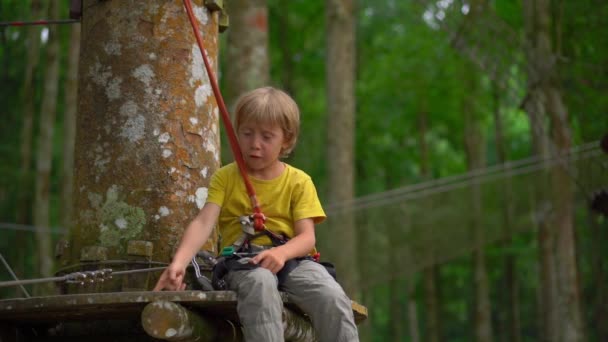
431	273
45	148
510	319
475	157
562	306
247	52
25	170
69	126
340	73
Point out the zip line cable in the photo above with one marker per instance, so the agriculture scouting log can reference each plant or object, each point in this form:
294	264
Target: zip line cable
10	270
528	165
80	277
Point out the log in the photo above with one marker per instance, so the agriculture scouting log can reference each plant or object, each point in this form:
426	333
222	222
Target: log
171	321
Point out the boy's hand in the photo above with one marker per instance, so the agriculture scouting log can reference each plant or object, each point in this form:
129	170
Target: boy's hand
171	279
271	259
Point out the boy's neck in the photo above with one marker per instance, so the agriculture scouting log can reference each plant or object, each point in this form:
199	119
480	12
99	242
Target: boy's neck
270	173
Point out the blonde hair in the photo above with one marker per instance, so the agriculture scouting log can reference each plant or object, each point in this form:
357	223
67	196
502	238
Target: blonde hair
270	106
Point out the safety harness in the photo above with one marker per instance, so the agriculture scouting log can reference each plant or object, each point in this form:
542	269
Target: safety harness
237	256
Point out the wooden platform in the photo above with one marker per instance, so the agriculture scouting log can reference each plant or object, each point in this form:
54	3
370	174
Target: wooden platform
126	305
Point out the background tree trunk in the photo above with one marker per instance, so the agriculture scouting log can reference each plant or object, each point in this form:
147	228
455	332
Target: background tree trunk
430	274
475	152
45	150
340	73
510	319
561	241
247	54
247	51
69	126
25	170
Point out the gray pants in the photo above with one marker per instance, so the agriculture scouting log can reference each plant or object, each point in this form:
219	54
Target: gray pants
309	286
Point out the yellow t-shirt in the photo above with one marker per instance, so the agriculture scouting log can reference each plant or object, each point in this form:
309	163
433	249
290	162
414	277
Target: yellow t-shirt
284	200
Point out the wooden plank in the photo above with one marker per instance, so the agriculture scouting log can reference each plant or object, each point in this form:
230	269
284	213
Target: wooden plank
118	305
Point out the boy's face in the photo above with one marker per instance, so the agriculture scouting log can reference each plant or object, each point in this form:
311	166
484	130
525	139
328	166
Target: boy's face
261	146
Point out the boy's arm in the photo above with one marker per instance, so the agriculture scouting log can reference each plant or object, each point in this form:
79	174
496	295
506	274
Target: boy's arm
196	234
300	245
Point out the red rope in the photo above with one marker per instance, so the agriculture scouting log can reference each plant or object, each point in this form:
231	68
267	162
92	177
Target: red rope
258	217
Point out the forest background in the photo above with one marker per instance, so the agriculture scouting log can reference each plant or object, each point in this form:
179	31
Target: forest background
457	157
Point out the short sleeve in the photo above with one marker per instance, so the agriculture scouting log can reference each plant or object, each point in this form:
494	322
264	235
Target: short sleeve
217	188
306	203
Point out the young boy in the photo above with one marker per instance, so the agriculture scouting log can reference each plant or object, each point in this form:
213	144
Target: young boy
267	124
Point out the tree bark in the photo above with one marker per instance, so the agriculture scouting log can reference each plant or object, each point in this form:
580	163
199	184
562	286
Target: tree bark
45	150
28	99
566	304
147	137
475	151
247	52
340	73
510	320
430	274
69	127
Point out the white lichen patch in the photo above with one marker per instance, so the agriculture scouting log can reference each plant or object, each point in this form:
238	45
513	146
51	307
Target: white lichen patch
164	211
205	172
129	108
172	170
170	332
201	14
201	197
145	74
100	74
209	146
95	199
152	56
121	223
134	128
156	132
113	88
167	153
193	120
201	94
164	138
112	48
197	69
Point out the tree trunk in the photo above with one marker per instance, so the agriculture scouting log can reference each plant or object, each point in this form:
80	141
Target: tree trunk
147	137
542	63
247	65
475	151
599	288
69	124
510	319
412	310
28	99
286	53
430	274
45	150
340	74
535	108
247	52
